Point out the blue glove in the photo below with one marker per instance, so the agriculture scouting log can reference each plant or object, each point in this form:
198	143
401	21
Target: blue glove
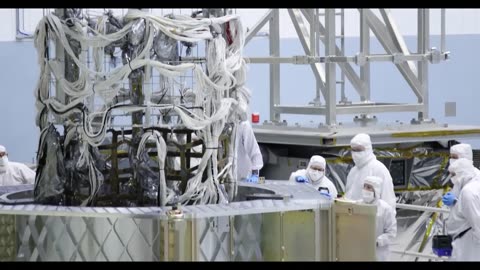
449	199
325	193
301	179
252	179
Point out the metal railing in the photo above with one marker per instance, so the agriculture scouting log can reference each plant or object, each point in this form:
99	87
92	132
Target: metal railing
422	209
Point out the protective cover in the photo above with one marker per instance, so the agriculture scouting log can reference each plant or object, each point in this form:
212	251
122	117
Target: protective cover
83	179
50	177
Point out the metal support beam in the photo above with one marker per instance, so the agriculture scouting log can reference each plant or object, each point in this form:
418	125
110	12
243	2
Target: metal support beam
312	35
354	79
396	36
305	59
423	46
442	22
380	31
250	34
270	60
313	53
330	68
422	208
274	38
343	96
365	50
304	36
349	109
417	254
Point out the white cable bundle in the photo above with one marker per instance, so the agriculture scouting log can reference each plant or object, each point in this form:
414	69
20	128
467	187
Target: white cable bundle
98	52
234	60
226	68
166	194
95	183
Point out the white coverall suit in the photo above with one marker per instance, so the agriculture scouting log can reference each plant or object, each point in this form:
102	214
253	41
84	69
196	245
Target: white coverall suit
386	223
366	164
316	179
463	222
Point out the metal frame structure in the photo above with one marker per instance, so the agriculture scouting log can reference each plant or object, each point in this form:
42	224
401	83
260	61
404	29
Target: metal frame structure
232	232
311	31
428	255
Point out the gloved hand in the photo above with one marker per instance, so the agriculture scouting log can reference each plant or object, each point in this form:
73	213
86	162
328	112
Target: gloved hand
449	199
252	179
301	179
326	194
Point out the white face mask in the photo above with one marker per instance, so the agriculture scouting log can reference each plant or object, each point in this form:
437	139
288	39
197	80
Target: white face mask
315	175
360	158
3	163
452	160
455	180
459	180
368	196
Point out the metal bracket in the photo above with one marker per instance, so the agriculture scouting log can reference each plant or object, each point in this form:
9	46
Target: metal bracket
315	102
175	213
300	59
398	58
360	59
425	121
336	59
436	56
306	59
446	55
364	119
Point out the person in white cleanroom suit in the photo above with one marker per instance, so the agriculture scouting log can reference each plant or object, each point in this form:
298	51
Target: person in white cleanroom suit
366	164
463	222
249	160
457	151
386	224
314	175
461	150
14	173
249	157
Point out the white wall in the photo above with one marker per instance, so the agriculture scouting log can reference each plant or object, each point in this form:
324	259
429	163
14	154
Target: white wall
459	21
7	22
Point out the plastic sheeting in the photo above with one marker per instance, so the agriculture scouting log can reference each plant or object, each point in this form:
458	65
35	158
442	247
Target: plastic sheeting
82	180
134	46
426	172
165	48
113	25
63	180
51	175
72	13
415	229
71	70
147	172
189	46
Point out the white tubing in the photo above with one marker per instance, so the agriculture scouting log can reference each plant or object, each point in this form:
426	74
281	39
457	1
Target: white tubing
222	93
